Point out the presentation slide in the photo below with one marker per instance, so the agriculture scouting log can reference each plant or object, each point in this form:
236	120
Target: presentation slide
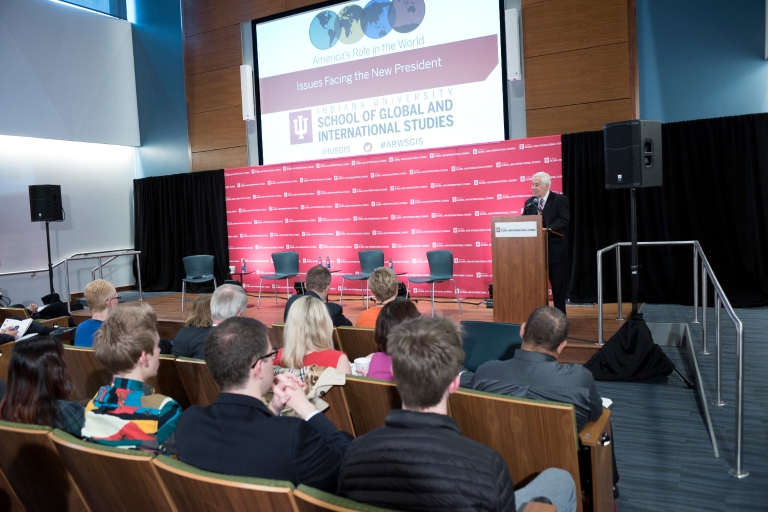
377	76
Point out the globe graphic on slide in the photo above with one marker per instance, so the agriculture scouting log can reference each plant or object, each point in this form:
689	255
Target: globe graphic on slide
351	24
408	15
324	30
378	17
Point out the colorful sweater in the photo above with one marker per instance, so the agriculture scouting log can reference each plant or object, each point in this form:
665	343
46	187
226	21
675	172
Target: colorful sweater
128	414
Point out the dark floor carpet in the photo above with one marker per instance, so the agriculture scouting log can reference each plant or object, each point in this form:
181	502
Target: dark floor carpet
663	450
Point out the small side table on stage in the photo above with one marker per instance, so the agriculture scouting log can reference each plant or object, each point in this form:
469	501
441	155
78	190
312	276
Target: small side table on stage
241	274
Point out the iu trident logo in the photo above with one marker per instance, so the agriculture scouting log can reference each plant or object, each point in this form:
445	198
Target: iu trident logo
300	124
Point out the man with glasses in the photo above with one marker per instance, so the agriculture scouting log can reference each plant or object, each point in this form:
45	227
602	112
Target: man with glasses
555	212
240	435
101	298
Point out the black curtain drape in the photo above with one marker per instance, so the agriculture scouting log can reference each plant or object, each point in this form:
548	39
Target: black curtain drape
177	216
715	175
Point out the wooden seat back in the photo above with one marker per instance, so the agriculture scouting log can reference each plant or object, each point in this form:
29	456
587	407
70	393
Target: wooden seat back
276	334
338	410
202	491
6	350
9	501
168	381
530	435
370	401
111	478
11	312
32	466
197	380
309	499
357	341
86	375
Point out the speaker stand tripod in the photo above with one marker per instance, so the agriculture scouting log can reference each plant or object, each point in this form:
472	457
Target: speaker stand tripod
635	267
50	266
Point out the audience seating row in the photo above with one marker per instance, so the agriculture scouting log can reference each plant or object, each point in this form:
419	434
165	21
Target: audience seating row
52	470
482	341
530	435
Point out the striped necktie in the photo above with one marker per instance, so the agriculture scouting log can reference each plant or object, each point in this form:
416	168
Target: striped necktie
541	206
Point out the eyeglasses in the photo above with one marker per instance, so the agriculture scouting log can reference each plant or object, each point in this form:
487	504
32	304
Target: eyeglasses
272	355
116	297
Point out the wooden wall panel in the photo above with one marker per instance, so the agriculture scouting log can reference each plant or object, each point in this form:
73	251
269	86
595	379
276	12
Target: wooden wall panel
214	90
206	15
217	129
566	25
580	76
220	159
213	50
295	4
577	118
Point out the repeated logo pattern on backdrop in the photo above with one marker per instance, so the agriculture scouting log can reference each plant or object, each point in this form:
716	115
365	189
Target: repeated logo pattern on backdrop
404	204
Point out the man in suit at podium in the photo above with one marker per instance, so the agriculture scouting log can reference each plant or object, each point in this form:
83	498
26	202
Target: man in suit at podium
555	212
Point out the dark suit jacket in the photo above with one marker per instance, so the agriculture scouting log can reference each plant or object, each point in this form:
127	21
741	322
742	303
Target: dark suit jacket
238	435
190	342
556	216
335	310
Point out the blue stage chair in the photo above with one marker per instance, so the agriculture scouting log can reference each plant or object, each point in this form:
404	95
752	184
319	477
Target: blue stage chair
440	270
199	269
286	266
369	261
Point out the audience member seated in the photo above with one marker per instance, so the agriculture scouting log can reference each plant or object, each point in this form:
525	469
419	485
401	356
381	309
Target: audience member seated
198	323
308	338
383	284
128	413
101	297
535	373
239	435
38	387
420	460
391	315
227	301
2	389
318	284
52	310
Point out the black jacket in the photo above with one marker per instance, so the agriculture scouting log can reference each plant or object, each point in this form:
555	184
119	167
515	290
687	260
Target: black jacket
190	342
421	461
556	216
335	310
238	435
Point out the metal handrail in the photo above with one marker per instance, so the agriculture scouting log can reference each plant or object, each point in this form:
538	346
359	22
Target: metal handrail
80	256
720	301
102	254
60	262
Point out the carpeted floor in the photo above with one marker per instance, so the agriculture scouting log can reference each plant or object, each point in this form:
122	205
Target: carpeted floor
663	450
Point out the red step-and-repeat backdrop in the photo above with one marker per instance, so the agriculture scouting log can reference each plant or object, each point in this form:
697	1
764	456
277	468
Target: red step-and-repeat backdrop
404	204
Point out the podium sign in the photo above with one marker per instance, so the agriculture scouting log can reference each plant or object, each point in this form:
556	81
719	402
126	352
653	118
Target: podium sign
519	247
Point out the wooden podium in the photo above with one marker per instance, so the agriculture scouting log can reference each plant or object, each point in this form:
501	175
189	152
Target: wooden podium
520	276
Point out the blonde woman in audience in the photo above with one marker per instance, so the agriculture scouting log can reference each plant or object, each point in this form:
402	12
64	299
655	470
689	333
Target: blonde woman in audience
101	297
308	338
198	323
383	284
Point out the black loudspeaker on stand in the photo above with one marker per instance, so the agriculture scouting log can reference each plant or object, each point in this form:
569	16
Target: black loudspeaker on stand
45	206
633	159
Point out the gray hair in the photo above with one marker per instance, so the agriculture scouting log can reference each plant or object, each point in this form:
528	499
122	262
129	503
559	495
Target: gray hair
228	300
545	179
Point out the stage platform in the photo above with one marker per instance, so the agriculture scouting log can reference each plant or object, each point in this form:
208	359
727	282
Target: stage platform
581	339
